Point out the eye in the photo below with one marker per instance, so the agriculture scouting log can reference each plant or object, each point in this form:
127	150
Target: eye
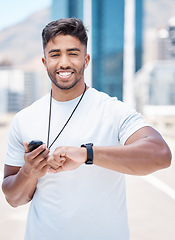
73	54
55	55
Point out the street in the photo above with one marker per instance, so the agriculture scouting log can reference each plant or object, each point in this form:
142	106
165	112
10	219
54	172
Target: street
150	200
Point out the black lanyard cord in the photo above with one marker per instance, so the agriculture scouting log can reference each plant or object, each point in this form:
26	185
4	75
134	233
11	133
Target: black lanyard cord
50	111
50	107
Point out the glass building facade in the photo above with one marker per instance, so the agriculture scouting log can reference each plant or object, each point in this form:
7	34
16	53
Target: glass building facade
107	39
67	8
138	33
107	46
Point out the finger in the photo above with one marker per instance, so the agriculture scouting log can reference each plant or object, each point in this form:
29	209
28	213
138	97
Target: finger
41	149
50	159
55	162
58	153
45	168
52	163
43	155
52	170
43	164
63	155
62	159
36	161
26	147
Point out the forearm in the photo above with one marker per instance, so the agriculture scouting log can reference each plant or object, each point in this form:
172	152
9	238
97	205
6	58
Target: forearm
144	152
19	188
139	158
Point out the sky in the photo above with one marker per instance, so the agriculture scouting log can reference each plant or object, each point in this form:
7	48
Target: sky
14	11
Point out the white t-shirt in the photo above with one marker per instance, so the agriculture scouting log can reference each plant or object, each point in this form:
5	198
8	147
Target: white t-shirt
88	203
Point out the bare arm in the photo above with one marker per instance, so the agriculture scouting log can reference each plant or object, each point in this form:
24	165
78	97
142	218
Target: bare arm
19	184
143	153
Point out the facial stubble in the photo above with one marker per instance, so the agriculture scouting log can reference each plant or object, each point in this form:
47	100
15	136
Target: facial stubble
55	82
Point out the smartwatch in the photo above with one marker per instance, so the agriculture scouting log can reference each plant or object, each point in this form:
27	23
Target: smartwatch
89	146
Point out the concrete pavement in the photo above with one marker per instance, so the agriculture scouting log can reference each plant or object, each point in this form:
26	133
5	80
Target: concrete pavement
151	203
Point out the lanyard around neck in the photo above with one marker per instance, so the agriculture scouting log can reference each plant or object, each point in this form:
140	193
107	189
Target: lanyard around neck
50	113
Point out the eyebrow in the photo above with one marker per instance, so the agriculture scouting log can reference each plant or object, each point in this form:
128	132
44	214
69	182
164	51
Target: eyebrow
73	49
68	50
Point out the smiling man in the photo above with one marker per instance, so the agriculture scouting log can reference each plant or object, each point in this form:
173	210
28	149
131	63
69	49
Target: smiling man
65	65
77	181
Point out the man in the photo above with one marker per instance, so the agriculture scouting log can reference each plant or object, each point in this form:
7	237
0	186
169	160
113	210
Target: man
77	192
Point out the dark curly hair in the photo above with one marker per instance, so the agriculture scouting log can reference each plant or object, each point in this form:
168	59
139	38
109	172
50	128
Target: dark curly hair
65	26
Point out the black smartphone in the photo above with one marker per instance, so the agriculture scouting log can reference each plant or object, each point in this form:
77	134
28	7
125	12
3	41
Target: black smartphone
34	144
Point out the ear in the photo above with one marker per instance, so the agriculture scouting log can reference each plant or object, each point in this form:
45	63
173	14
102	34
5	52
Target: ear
87	60
44	62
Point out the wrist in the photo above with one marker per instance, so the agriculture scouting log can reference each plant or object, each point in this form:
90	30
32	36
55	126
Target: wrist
83	154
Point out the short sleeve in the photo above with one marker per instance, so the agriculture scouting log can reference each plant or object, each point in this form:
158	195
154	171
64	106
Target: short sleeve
130	122
15	147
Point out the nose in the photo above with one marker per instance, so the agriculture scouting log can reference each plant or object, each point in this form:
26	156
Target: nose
64	61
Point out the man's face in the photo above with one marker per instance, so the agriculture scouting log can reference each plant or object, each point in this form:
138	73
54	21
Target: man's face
65	61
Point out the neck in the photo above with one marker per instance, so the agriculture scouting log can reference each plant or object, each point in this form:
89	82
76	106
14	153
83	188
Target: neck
63	95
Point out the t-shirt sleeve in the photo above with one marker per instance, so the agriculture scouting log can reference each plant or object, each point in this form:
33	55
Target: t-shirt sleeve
15	147
130	122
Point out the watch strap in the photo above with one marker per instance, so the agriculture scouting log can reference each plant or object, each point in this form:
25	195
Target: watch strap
89	149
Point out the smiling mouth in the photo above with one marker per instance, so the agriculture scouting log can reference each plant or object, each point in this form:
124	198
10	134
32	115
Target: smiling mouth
64	75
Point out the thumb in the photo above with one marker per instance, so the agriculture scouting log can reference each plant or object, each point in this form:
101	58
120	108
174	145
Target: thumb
26	147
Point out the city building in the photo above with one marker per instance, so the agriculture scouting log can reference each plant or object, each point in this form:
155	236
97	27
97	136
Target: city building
166	41
18	89
138	34
155	88
67	8
107	46
108	18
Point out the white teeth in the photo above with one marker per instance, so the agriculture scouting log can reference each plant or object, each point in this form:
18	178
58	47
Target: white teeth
65	73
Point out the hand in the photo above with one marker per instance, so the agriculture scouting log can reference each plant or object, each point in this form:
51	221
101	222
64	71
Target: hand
66	159
36	161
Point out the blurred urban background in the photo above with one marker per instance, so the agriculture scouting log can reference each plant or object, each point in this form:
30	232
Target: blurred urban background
132	48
